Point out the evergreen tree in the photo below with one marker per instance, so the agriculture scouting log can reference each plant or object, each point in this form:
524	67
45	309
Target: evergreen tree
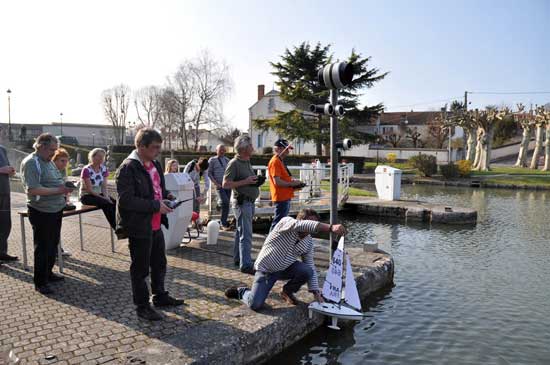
298	84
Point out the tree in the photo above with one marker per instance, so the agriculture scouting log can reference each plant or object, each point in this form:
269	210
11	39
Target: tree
147	102
394	139
526	122
438	129
297	81
540	122
184	91
414	135
168	115
228	137
486	120
545	112
115	107
211	83
462	118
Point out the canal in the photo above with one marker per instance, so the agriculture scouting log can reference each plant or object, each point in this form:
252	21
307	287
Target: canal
462	295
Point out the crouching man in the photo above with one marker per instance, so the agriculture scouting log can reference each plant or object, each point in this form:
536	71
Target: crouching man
278	260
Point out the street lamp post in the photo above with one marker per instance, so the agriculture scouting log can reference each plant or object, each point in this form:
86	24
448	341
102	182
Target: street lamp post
61	121
9	115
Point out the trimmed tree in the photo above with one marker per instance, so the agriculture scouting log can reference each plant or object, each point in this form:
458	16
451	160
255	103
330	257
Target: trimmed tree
526	122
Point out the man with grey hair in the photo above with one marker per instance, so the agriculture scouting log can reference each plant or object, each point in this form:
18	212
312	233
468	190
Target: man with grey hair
46	192
240	177
216	170
6	170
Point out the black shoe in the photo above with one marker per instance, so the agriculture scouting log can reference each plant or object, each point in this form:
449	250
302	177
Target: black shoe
148	313
53	278
248	270
6	257
232	293
166	301
44	289
289	298
237	263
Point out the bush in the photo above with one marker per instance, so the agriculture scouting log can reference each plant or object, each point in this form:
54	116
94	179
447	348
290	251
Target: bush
464	168
426	164
449	171
391	157
268	150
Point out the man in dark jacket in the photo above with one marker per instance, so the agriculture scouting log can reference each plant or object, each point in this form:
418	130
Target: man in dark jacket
140	213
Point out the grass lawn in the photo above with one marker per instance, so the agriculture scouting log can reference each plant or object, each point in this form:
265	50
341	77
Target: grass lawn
510	171
407	169
325	186
534	180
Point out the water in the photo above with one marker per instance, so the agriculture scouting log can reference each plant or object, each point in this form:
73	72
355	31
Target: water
463	295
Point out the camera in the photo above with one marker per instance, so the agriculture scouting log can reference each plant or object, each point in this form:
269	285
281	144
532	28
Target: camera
344	145
327	109
260	181
336	75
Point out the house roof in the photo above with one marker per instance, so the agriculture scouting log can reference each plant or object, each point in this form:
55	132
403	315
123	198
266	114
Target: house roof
413	118
270	94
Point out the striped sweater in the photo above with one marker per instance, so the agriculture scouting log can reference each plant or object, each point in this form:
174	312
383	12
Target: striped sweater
283	246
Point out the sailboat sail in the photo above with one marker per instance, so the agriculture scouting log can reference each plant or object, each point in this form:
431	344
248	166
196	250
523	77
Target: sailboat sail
332	288
351	296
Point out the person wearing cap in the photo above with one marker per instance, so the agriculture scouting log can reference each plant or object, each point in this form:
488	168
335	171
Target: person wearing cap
281	183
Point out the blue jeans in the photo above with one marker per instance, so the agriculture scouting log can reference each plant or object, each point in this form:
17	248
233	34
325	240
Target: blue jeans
281	211
297	275
243	235
223	196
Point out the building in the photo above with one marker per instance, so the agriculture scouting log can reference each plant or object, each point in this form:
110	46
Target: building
85	134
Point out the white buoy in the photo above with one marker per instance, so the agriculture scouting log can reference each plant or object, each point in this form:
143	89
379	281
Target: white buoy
212	232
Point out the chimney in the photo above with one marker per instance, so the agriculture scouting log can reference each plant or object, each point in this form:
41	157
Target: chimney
261	91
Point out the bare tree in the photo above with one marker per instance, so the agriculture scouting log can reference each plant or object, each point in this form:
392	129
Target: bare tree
414	135
540	123
184	91
168	115
147	102
115	106
526	121
438	129
212	84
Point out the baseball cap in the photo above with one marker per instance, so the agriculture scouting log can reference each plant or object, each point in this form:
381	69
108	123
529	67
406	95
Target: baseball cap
282	143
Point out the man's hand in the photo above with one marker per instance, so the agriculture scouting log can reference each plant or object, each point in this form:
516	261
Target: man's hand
318	297
339	229
7	170
164	209
64	190
251	180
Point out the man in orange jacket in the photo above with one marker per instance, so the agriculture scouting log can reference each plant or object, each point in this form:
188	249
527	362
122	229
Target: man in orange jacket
281	183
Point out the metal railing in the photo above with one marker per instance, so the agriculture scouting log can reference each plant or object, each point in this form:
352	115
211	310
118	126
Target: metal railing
316	194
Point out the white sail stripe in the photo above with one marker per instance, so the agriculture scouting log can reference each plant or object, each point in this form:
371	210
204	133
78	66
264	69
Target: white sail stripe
351	295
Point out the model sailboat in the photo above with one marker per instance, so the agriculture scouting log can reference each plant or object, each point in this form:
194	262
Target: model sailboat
348	307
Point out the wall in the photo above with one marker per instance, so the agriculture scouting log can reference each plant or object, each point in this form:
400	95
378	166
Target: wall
401	153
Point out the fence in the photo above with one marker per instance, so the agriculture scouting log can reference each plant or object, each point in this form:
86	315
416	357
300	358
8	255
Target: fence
316	194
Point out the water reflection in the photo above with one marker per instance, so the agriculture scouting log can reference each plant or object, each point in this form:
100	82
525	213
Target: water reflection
463	295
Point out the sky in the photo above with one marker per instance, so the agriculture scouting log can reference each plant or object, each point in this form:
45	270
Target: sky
58	56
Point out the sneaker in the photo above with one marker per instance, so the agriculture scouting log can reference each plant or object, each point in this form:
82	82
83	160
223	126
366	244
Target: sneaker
232	293
53	278
44	289
65	253
6	257
167	301
148	313
289	298
226	228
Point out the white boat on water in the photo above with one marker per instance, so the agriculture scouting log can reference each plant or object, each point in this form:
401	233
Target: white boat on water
337	306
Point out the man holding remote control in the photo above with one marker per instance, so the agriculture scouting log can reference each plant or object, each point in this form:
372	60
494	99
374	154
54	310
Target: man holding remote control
46	192
140	213
281	183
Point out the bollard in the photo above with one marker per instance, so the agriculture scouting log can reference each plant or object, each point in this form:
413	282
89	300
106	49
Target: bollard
212	232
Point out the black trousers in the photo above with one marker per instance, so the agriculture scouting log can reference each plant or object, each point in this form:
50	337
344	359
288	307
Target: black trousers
147	253
109	209
5	222
46	228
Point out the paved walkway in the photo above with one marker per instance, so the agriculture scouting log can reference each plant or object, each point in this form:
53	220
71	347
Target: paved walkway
91	318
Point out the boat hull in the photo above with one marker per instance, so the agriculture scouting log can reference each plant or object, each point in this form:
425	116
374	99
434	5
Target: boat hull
336	310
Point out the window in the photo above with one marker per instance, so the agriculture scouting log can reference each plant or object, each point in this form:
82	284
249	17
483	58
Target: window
260	140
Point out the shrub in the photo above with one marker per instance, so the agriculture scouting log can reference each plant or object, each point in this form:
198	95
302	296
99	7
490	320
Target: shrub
464	168
449	171
391	158
426	164
268	150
